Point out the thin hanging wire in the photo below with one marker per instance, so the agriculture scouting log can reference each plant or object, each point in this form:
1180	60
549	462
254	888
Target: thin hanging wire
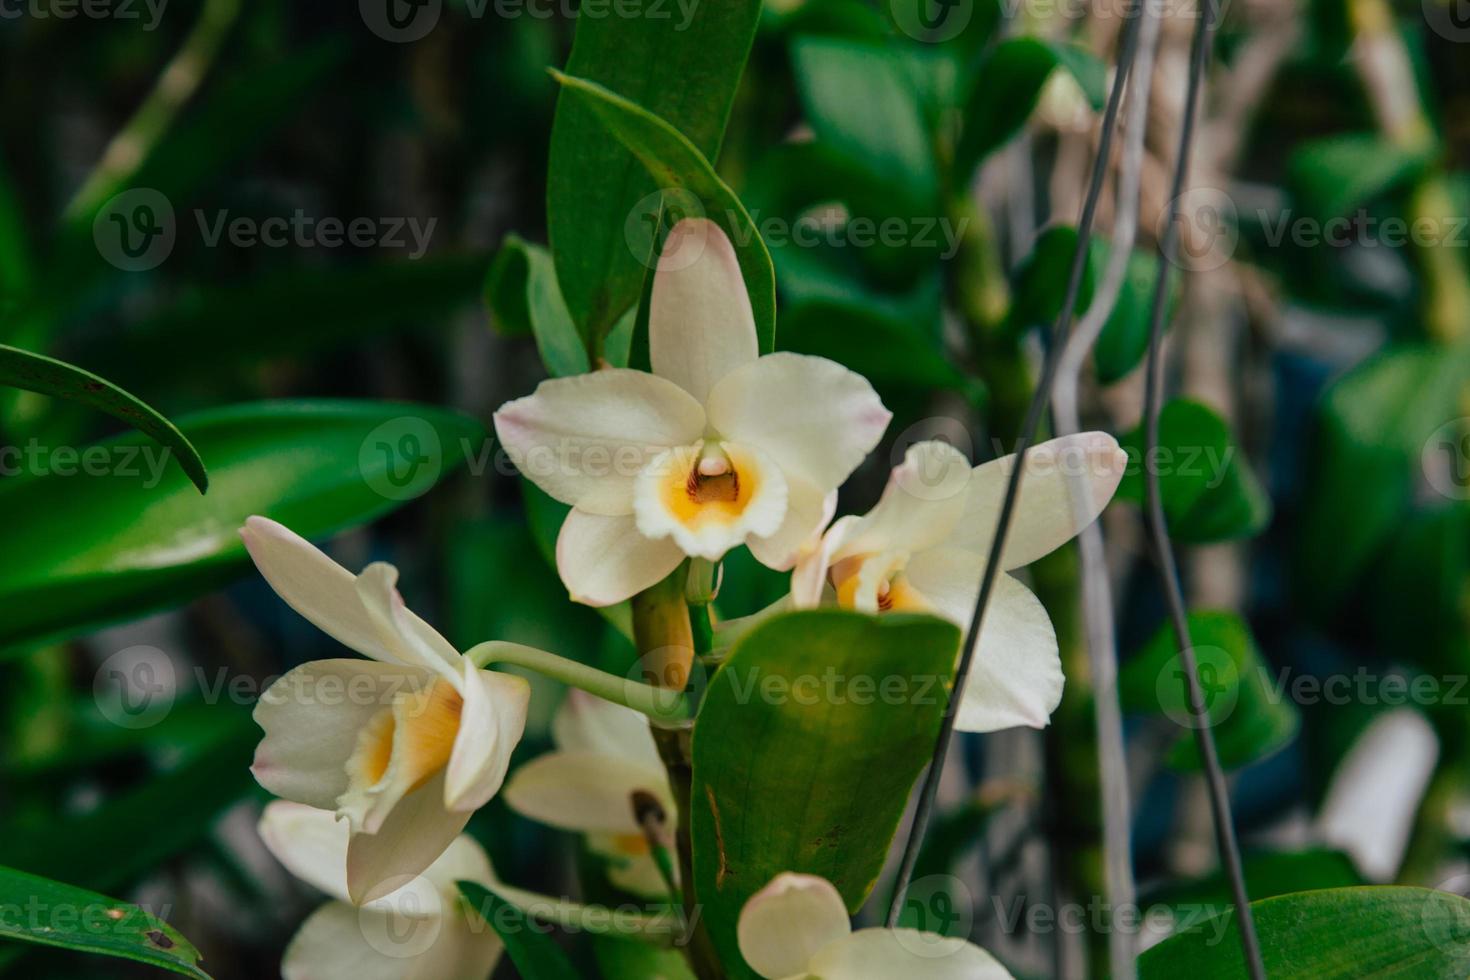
1128	47
1204	736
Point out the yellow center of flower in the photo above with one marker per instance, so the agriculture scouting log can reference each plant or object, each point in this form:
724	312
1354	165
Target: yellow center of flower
414	737
714	486
853	578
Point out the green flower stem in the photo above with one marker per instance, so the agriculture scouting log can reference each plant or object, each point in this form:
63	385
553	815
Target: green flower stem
657	703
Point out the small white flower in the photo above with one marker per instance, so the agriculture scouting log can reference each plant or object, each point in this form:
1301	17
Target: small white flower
420	931
605	754
924	546
717	447
404	746
797	927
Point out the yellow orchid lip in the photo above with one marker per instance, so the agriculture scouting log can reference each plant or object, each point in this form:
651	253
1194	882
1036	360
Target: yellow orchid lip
401	749
709	497
714	487
876	583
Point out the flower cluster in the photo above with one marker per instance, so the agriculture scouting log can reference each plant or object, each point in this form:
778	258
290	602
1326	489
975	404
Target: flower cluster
717	448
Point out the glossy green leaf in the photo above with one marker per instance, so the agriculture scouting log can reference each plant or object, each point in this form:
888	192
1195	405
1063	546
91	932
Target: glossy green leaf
531	948
49	913
859	99
682	68
1008	86
1250	716
1374	427
808	706
1209	491
678	166
84	550
48	376
524	297
1381	931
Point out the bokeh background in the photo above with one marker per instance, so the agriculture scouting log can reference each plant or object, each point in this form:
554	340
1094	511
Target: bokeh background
1327	538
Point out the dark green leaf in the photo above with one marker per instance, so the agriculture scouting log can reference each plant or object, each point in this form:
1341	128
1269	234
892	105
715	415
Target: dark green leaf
1267	874
85	550
1124	339
1334	176
882	348
1251	717
1041	280
1007	88
683	69
678	166
808	706
52	914
524	297
48	376
1208	488
529	946
1336	932
624	959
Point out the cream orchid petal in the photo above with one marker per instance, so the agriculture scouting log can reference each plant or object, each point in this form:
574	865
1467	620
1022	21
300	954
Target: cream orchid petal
921	505
808	510
585	439
706	516
589	725
585	792
490	727
784	925
809	578
411	640
313	717
814	417
414	834
1016	678
321	590
311	843
339	942
700	324
1048	512
604	560
884	954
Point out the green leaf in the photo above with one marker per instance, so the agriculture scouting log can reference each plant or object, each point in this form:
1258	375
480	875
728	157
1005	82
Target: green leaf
859	99
623	959
1250	717
530	948
86	550
1208	488
1124	339
882	348
1267	874
1041	280
678	165
48	376
684	69
1008	86
1333	176
49	913
808	706
1373	426
1336	932
524	297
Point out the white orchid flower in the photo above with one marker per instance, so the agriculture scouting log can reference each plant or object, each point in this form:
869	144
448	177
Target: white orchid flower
404	746
604	755
797	927
717	447
924	546
422	930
